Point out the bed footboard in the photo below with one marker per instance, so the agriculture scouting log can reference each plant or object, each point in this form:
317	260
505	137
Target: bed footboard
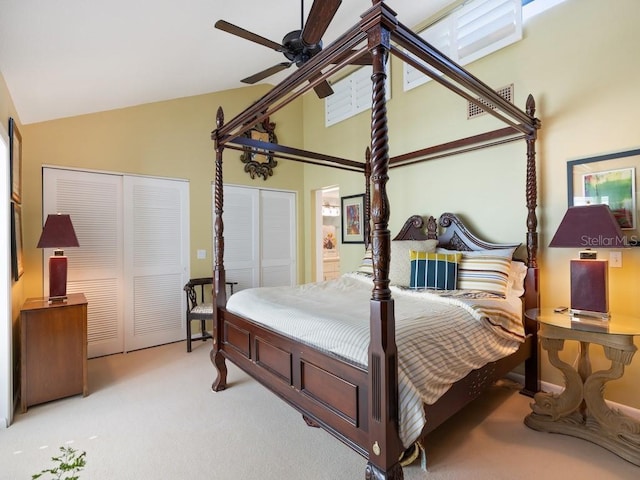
324	389
330	393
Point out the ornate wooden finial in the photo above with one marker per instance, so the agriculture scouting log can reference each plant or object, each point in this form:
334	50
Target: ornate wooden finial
220	117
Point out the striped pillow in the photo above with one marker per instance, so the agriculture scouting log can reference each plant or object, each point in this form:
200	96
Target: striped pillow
366	266
488	271
434	270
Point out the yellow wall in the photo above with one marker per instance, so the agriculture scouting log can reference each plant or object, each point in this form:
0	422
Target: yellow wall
577	59
7	109
166	139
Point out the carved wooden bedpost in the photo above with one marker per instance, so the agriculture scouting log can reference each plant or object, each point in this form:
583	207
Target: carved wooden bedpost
367	198
219	280
532	297
384	443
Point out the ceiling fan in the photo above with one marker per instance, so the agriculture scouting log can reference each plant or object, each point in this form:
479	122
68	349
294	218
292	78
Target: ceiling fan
297	46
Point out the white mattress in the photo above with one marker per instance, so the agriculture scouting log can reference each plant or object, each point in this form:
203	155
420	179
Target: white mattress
441	336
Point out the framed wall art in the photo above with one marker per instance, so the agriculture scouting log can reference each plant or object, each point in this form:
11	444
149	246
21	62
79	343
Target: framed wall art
17	264
353	219
608	179
15	155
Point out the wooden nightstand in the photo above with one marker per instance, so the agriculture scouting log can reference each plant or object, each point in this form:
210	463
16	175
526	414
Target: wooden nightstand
580	410
53	349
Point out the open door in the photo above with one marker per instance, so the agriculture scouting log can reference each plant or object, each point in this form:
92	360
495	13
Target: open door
328	233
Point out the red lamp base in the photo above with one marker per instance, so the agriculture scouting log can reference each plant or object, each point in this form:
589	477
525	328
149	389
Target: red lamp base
57	278
589	288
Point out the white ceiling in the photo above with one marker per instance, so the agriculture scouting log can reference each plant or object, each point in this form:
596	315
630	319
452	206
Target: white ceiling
69	57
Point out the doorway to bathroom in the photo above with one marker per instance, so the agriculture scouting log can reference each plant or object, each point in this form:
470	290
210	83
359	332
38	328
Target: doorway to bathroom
328	227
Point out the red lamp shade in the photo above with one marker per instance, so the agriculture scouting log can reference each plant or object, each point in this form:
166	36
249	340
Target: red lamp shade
589	226
58	233
586	227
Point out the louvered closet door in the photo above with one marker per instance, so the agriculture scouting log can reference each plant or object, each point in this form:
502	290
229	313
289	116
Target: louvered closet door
94	202
278	235
259	237
156	228
241	236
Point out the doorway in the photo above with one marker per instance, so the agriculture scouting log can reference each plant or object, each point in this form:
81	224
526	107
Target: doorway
328	226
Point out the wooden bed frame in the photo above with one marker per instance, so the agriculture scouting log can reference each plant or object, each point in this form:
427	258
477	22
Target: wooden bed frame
360	406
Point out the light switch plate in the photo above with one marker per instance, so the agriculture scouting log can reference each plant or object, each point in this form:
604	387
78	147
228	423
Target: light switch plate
202	254
615	259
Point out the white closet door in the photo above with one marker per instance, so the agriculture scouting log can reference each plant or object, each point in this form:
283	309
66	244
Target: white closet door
241	235
94	202
259	237
278	235
156	229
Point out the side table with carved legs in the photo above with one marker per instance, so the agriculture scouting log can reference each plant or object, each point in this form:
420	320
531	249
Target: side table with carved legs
580	409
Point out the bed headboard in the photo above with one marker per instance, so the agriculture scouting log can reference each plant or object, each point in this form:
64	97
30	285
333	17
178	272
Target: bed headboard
456	235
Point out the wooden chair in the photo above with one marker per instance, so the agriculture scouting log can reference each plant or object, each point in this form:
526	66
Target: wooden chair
198	311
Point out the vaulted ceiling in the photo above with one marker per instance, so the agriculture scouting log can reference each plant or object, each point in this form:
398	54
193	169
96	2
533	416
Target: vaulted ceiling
70	57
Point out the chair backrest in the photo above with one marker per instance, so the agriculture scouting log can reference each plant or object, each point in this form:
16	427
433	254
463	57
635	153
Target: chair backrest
191	290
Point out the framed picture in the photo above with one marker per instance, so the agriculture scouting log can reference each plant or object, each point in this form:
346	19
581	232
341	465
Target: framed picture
607	179
329	241
15	155
17	264
353	219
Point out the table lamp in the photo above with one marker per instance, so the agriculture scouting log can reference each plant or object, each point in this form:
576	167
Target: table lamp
58	233
586	227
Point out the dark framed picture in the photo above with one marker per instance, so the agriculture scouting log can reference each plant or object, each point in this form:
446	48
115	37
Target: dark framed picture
17	264
352	218
607	179
15	155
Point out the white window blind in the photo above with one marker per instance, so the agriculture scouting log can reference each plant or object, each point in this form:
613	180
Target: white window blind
477	29
351	95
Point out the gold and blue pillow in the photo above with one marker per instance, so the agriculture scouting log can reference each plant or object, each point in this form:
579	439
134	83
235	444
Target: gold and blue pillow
434	270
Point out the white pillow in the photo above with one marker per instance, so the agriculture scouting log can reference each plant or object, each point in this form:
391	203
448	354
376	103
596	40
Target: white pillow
400	265
517	275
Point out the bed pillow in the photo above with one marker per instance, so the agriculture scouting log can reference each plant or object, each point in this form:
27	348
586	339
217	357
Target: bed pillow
517	274
486	270
400	265
434	270
366	266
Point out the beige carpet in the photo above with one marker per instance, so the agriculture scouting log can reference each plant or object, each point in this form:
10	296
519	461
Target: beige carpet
151	415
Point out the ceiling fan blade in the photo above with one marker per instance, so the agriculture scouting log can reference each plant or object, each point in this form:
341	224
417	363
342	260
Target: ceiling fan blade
266	73
320	16
247	35
323	89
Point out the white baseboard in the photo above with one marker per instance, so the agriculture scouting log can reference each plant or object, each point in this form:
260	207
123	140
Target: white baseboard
553	388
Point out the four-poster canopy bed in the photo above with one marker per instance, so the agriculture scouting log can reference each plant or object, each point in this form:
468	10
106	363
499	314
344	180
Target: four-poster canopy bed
359	402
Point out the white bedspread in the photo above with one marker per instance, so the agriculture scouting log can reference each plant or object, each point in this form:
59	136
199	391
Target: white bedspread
441	336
